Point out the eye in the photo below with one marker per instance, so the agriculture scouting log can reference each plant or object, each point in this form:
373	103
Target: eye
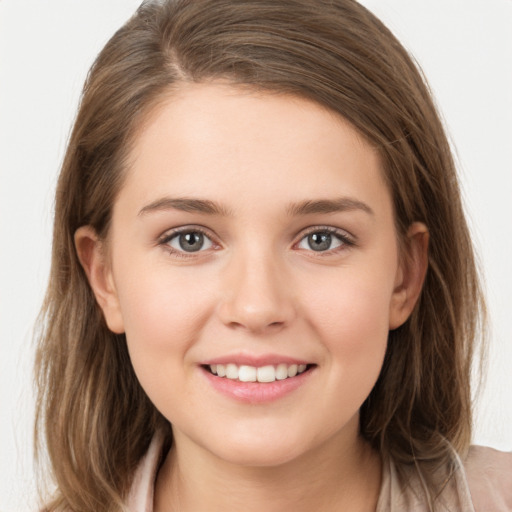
188	241
322	240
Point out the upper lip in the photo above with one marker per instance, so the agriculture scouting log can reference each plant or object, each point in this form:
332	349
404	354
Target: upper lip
255	360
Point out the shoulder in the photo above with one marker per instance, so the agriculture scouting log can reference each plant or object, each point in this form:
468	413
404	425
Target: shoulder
479	482
489	477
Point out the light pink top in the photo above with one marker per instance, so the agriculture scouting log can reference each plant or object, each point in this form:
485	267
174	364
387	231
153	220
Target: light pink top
483	483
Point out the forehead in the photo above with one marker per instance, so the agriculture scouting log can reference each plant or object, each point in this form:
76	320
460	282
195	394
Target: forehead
241	146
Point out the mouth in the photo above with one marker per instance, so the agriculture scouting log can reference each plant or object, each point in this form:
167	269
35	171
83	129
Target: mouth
261	374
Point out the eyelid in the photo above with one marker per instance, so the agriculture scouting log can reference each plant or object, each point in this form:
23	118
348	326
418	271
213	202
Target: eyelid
347	238
167	236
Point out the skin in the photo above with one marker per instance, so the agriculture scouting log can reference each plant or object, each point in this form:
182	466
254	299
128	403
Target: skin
256	287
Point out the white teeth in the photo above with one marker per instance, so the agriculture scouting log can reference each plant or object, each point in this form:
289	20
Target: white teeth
232	371
247	374
267	373
292	370
281	372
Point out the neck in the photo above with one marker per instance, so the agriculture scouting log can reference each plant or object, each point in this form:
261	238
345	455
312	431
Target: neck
330	478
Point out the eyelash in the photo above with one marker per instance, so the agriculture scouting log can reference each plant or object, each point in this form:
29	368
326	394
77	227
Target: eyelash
346	240
167	237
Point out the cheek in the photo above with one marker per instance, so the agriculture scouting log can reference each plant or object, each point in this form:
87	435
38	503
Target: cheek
163	311
354	308
353	327
160	304
352	322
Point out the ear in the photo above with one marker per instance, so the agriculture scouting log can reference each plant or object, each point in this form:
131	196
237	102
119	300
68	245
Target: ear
410	275
93	258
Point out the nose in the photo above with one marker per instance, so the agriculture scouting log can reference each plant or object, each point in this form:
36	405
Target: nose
257	296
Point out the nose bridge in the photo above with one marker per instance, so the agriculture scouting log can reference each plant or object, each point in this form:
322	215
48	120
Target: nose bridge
257	296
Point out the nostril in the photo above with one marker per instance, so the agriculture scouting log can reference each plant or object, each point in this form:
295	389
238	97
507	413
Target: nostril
258	326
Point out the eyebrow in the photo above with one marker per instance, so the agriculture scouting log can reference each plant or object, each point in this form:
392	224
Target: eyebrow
342	204
185	204
208	207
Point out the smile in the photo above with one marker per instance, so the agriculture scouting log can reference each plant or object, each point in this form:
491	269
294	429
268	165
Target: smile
266	374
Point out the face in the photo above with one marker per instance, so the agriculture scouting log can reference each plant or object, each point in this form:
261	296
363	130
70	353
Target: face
253	236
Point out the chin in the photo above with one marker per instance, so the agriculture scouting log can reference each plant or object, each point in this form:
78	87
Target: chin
259	458
255	449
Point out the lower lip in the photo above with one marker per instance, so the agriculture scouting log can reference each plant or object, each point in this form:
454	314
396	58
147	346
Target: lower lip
256	392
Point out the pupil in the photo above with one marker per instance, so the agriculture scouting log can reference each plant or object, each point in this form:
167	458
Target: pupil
320	241
191	242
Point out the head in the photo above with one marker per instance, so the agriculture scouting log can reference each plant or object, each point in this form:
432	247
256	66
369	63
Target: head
337	57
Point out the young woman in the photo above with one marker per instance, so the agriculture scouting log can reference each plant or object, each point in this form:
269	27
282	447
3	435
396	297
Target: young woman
263	292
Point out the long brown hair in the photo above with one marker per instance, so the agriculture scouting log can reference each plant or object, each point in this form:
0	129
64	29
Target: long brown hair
93	418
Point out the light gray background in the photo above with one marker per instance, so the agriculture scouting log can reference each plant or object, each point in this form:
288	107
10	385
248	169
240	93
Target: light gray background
46	47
